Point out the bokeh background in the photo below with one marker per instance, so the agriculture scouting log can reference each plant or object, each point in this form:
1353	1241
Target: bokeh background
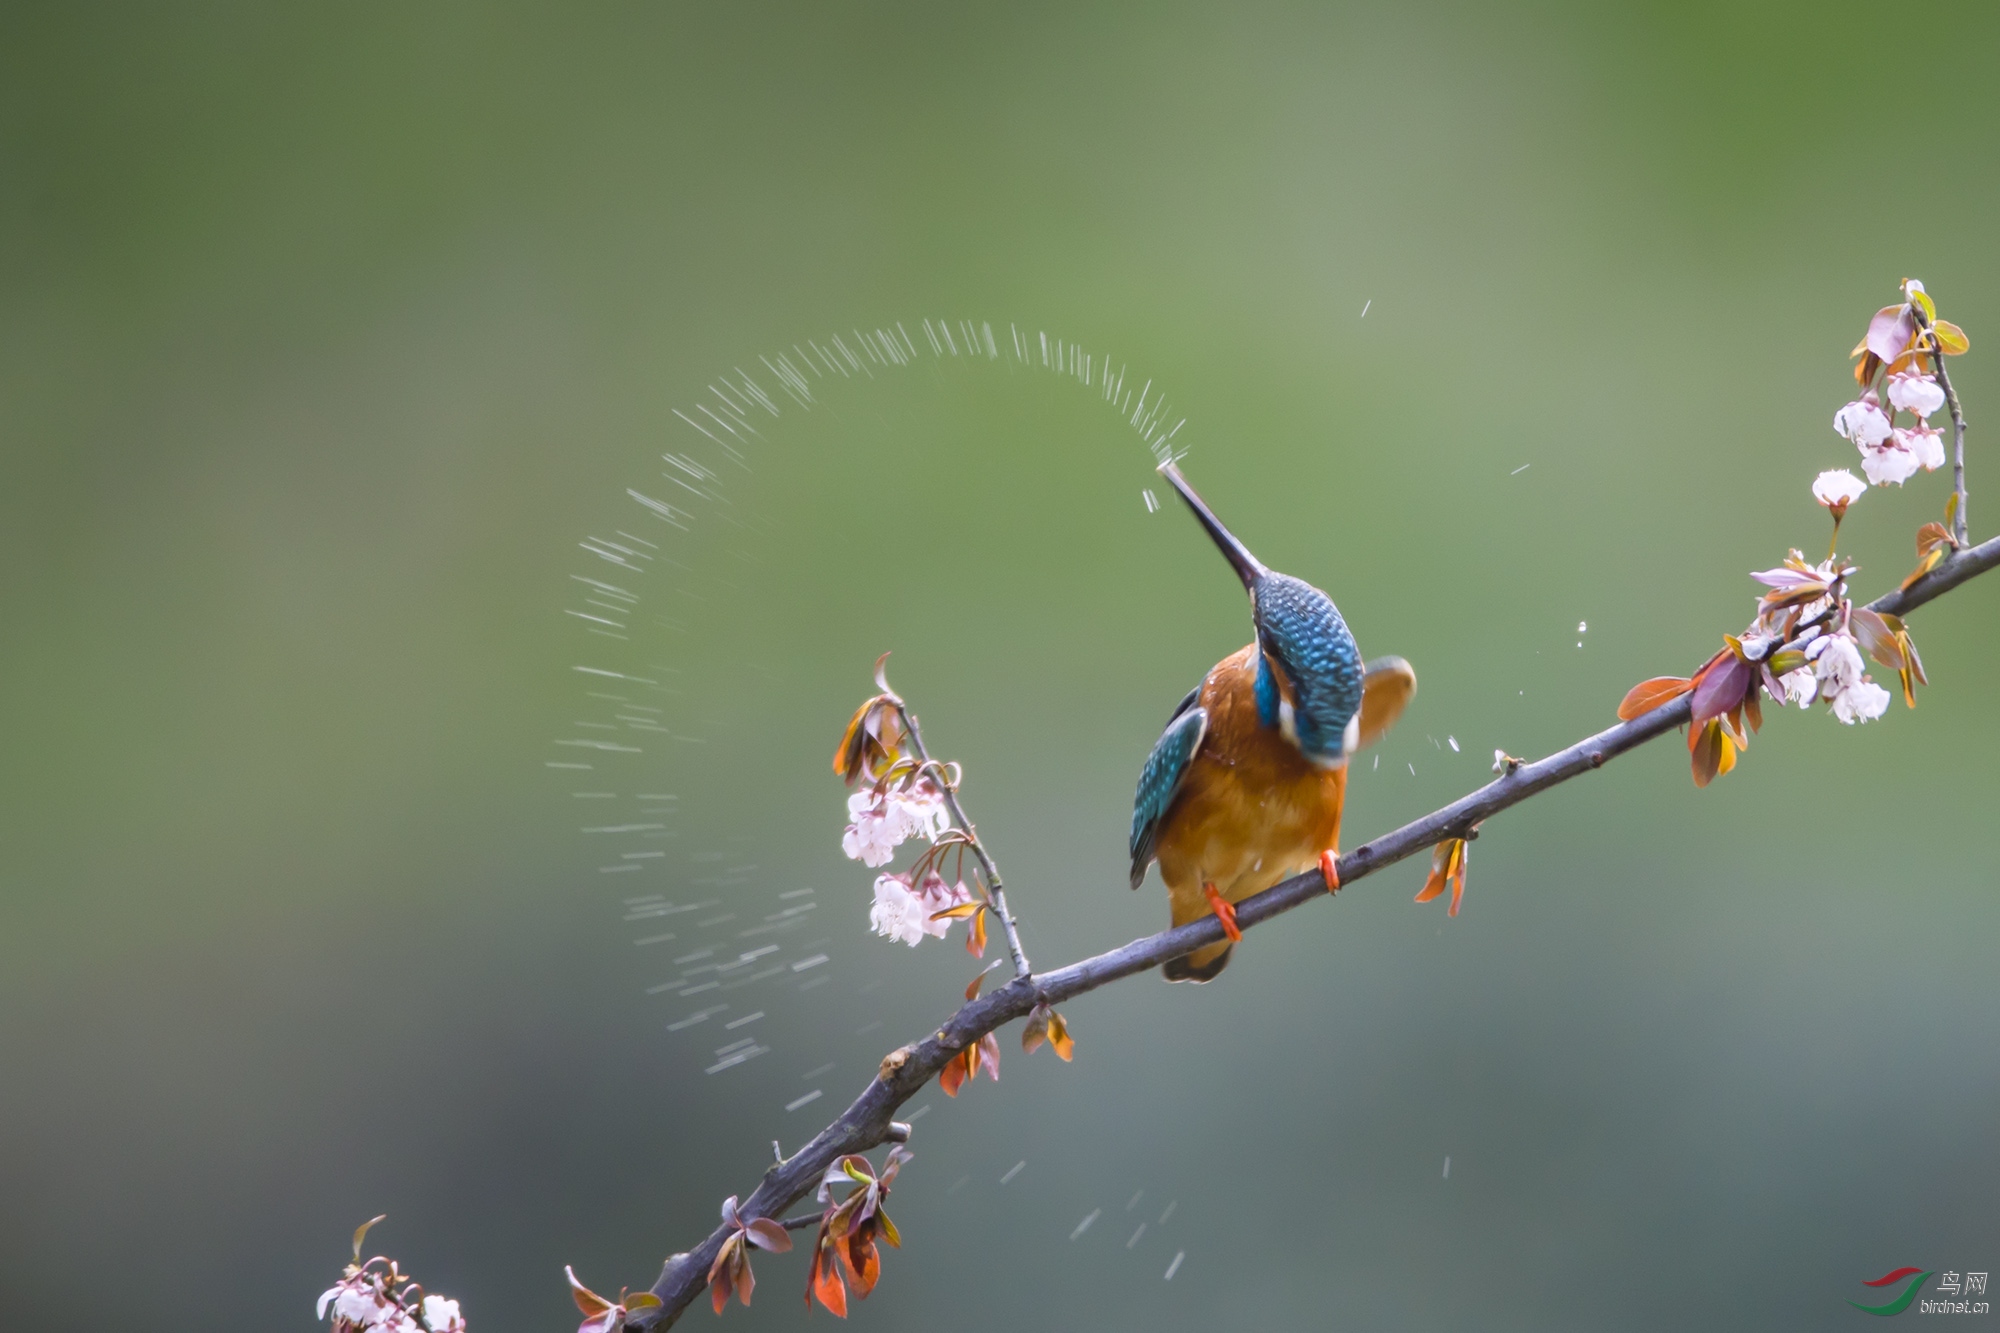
328	333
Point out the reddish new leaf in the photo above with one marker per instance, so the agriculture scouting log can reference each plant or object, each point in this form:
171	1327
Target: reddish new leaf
768	1235
1720	686
1890	332
1647	695
952	1077
1713	752
823	1277
586	1300
1878	638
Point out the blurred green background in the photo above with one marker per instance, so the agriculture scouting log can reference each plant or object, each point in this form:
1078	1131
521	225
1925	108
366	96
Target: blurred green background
328	334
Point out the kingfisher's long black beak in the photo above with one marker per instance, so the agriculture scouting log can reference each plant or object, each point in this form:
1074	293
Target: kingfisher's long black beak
1247	566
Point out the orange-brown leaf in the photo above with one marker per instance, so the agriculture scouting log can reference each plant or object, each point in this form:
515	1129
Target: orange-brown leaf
847	755
1934	534
1927	564
872	741
1647	695
952	1077
823	1280
975	935
1447	870
1865	368
862	1260
1059	1039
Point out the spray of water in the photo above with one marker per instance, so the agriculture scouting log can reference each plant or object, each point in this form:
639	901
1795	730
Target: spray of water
721	946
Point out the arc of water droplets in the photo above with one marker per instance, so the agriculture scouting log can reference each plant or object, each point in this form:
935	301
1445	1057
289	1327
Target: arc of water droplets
631	713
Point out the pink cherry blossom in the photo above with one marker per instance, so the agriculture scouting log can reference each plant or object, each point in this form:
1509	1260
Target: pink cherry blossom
920	811
885	819
442	1315
873	836
938	896
901	912
1839	680
356	1303
1837	662
1863	421
1888	463
898	914
1914	391
1923	443
1838	489
1800	687
1864	701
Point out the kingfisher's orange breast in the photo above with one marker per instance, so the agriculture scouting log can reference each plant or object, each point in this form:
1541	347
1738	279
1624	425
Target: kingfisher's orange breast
1252	809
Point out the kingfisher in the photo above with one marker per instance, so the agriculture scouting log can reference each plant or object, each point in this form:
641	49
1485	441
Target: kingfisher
1245	786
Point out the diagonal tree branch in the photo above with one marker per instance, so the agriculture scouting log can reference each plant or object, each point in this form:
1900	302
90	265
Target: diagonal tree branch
867	1122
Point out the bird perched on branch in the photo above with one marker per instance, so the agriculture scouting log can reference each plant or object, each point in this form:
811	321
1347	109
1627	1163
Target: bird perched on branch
1245	786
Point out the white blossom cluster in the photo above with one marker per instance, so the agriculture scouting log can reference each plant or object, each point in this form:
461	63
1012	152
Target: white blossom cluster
884	819
903	911
362	1303
1835	675
1834	672
1891	454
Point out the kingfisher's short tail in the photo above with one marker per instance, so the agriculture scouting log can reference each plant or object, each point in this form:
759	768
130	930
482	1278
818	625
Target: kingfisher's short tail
1204	964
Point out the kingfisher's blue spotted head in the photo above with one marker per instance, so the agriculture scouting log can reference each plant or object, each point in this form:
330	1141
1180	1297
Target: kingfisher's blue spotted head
1309	670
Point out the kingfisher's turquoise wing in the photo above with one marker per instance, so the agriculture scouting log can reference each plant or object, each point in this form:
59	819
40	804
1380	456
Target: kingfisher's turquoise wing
1161	778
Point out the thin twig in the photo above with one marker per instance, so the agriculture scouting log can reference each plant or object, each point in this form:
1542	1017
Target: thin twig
986	865
904	1072
1958	523
1960	531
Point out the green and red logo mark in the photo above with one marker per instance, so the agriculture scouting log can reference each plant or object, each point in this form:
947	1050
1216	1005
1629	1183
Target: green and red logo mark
1902	1302
1954	1290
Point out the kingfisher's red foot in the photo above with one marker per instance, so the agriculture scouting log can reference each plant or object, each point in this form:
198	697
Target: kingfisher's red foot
1329	869
1225	912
